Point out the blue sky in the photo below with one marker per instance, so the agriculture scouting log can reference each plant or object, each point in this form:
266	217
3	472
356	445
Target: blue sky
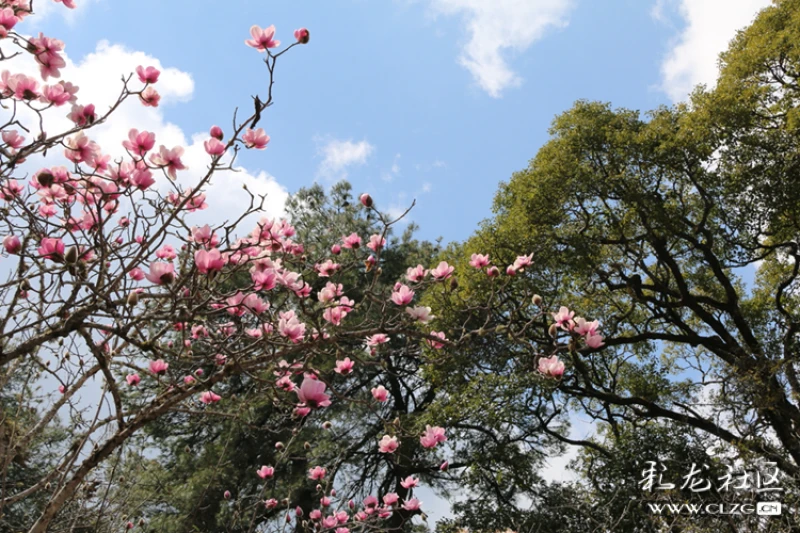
437	100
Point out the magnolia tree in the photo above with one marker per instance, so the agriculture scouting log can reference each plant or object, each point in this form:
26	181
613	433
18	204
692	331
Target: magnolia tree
117	312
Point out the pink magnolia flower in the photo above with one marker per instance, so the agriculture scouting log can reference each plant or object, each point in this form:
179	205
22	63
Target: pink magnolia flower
584	327
133	379
188	380
254	304
289	326
493	272
329	292
344	367
262	38
412	505
378	338
142	179
209	261
214	147
423	314
327	268
8	20
170	159
410	482
380	393
55	94
301	35
23	87
312	393
376	242
432	437
12	244
81	149
257	139
390	498
265	472
13	139
52	249
317	473
594	340
82	115
166	252
522	261
159	367
479	261
150	97
551	367
208	397
161	273
442	271
67	3
264	280
415	274
388	444
564	318
352	241
336	249
272	503
136	274
203	235
402	295
147	75
435	344
139	143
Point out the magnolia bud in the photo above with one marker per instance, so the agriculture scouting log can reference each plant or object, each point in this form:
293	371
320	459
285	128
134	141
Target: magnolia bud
133	298
279	446
227	495
327	425
71	255
307	445
453	284
553	331
216	132
537	300
319	487
302	35
366	200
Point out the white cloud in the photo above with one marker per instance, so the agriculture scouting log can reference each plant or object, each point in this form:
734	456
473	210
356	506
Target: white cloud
497	26
393	172
710	25
339	155
43	9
